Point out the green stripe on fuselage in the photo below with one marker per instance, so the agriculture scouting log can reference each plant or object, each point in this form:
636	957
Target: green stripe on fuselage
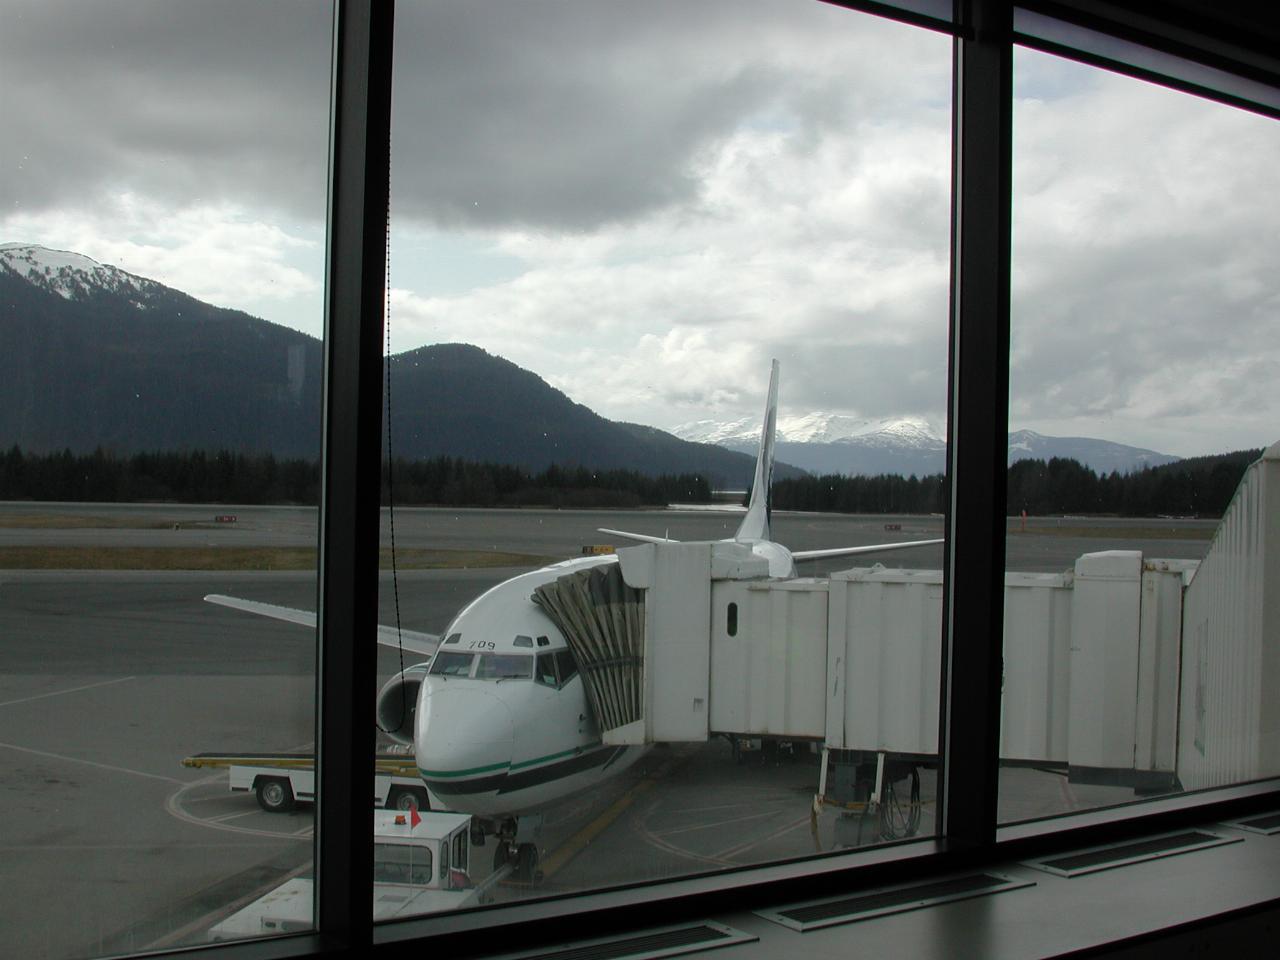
509	766
465	773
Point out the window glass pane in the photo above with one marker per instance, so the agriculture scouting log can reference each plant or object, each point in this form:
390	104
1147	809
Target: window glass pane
449	664
607	220
546	669
162	211
497	666
566	665
401	863
1139	628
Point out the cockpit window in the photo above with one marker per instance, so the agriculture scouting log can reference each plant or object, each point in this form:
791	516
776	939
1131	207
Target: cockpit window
505	666
454	638
447	663
523	641
546	672
568	667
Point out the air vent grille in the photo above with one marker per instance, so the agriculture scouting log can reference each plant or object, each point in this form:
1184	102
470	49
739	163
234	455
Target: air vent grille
670	942
1123	854
1268	824
825	913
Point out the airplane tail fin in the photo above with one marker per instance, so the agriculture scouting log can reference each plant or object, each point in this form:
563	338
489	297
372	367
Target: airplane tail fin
755	525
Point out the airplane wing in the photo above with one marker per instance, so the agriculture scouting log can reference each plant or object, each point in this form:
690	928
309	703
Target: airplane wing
642	537
867	548
412	640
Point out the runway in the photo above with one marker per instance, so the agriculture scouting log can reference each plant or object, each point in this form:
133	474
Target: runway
109	678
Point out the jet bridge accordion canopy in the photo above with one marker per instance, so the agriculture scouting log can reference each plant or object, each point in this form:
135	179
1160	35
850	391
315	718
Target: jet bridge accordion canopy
603	621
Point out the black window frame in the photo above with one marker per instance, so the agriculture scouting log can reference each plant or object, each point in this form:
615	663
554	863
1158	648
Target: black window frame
555	673
1199	47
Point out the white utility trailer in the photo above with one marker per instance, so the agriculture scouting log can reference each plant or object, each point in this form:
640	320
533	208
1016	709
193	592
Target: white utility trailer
281	781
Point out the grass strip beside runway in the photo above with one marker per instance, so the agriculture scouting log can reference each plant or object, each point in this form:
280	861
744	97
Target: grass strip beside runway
1184	531
242	558
74	521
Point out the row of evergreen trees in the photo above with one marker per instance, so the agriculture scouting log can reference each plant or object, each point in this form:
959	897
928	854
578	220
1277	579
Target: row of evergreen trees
200	477
1200	487
455	482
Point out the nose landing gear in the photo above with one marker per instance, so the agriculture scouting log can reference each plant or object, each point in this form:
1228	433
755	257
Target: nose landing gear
523	859
517	848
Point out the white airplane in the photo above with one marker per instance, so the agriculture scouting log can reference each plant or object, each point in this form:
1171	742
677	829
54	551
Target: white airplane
499	717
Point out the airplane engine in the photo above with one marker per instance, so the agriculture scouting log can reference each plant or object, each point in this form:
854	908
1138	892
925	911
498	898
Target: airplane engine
398	703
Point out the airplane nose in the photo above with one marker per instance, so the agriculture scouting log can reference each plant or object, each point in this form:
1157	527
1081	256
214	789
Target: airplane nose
463	734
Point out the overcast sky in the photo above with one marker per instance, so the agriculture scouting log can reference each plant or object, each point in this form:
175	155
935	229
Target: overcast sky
642	203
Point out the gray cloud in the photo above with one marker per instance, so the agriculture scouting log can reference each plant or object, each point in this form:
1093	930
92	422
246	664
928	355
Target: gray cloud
573	114
217	102
555	114
654	198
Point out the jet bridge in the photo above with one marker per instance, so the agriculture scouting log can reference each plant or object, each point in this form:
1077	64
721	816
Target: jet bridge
684	641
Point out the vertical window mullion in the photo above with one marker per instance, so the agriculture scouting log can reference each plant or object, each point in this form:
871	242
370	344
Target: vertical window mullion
351	479
977	424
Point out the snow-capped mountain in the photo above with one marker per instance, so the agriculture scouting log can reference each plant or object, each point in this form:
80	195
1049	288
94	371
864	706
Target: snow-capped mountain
97	358
1102	456
810	428
835	443
71	276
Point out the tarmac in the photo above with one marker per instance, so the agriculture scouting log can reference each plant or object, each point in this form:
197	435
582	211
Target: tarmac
109	678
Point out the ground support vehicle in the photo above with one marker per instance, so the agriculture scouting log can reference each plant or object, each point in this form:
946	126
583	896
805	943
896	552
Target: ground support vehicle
280	781
420	865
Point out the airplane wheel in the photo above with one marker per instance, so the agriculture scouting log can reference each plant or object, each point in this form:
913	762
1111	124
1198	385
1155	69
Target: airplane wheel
527	863
275	795
501	854
400	799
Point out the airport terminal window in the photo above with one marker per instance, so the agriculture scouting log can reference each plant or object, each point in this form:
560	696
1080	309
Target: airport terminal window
478	203
605	215
162	239
1142	319
469	261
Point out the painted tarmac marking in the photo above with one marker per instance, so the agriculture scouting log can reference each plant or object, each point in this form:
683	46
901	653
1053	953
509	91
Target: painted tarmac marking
231	816
712	825
578	842
59	693
174	805
781	831
89	763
